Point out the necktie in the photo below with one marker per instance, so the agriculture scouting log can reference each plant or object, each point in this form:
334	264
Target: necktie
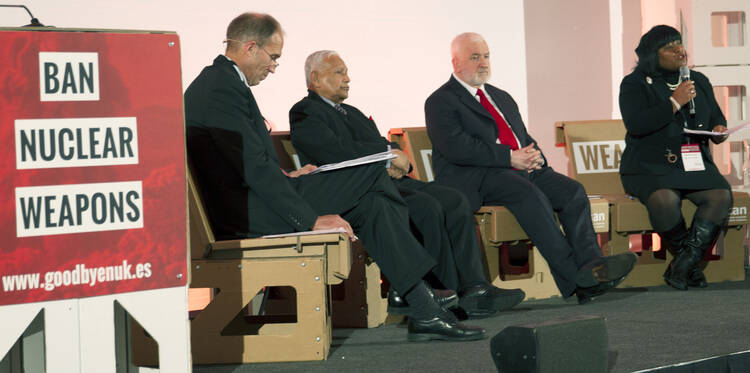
340	109
504	133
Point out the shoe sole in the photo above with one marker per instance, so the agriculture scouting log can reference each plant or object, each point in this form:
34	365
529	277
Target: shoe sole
586	278
424	337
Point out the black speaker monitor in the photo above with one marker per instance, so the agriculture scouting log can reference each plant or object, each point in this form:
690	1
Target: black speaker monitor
566	345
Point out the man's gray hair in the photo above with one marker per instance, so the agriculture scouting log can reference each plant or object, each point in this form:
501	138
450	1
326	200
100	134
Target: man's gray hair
314	62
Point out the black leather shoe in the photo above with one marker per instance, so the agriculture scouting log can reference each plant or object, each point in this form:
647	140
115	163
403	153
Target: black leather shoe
585	295
605	269
443	326
444	298
485	300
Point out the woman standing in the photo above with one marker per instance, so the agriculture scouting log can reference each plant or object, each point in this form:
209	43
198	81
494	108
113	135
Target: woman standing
661	165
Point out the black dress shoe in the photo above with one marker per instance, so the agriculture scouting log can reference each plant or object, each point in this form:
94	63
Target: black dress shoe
605	269
485	300
585	295
444	298
443	326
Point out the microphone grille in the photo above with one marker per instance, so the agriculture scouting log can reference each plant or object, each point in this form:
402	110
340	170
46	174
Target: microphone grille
684	72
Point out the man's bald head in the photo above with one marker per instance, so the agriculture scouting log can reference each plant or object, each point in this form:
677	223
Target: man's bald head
470	57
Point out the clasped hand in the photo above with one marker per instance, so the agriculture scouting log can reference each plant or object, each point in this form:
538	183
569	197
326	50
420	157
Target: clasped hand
527	158
399	165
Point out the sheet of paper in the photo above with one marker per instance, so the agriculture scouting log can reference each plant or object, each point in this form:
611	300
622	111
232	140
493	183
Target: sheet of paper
732	130
306	233
377	157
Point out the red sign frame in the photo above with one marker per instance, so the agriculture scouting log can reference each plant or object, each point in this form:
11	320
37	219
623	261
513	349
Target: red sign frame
139	76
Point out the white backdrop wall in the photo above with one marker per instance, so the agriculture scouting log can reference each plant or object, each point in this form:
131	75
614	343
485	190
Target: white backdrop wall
397	52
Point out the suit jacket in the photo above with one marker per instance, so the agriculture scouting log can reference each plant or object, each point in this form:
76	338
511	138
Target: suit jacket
464	135
233	158
321	134
652	127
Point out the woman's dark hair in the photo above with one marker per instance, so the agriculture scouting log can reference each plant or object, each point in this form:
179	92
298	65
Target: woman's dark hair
648	47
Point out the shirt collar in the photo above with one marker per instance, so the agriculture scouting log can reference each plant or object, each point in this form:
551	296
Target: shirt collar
328	101
472	90
239	72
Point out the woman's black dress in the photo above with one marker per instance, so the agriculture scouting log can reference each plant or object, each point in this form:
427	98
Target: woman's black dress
652	158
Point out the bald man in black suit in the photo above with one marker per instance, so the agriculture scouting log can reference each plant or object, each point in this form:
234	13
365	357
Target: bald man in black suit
481	147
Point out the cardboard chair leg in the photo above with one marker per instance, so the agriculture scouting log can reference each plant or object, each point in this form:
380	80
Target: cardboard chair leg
540	285
731	265
357	302
218	337
648	271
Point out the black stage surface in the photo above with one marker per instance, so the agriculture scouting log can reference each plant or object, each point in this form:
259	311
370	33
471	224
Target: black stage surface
648	328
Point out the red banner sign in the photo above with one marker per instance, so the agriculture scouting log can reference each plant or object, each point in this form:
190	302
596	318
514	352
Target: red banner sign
92	164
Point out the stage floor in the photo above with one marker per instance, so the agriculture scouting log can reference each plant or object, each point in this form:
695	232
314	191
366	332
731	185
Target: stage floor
647	328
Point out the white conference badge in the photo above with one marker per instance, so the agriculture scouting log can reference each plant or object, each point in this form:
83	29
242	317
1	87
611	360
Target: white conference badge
691	158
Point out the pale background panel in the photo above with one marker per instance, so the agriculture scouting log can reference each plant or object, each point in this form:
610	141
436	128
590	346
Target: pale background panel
397	52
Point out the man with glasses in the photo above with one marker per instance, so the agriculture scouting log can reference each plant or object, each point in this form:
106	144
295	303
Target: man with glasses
247	194
325	130
480	146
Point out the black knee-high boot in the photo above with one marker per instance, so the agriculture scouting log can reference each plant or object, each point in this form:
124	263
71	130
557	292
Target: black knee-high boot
702	234
673	239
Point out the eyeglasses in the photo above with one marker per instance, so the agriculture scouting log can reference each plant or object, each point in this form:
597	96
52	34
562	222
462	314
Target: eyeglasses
273	59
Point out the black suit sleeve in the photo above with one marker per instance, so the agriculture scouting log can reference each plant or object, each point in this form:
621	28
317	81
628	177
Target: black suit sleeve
448	122
313	134
258	169
640	115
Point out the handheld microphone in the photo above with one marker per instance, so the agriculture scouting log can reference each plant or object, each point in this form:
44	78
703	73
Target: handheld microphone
685	75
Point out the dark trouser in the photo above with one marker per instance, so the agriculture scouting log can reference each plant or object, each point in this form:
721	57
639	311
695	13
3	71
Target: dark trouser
445	224
533	199
366	198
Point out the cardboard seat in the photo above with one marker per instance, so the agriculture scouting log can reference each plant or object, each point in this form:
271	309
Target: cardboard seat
225	331
594	149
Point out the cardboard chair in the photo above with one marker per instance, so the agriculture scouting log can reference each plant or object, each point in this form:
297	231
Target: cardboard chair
594	149
359	301
224	331
501	234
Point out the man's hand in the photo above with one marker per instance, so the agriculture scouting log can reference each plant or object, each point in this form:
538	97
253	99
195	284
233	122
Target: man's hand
324	222
401	161
526	158
718	139
303	171
395	172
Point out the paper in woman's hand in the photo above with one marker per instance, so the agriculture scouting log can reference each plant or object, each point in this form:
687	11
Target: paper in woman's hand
732	130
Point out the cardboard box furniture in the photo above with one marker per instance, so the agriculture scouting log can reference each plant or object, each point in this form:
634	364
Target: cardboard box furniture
594	149
226	331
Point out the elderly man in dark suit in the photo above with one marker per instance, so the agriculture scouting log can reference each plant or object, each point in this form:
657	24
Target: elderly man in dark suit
481	147
324	130
247	194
